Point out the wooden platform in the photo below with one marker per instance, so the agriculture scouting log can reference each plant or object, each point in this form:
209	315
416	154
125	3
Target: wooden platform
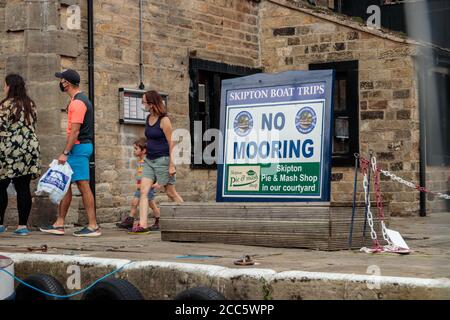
288	225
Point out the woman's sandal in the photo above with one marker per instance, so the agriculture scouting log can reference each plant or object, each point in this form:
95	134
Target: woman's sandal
245	261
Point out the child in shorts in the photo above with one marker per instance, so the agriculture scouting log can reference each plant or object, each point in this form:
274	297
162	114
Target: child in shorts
140	150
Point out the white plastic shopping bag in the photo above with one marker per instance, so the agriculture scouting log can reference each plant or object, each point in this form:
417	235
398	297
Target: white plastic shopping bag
55	182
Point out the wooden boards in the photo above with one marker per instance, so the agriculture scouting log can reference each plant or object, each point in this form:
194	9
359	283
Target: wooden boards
288	225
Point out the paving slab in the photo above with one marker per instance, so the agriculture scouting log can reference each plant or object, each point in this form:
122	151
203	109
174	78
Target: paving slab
428	237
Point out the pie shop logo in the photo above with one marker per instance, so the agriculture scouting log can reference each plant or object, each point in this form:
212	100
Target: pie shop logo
243	123
244	178
306	120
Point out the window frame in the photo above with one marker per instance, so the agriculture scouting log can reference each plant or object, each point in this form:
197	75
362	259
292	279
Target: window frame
196	66
437	154
350	70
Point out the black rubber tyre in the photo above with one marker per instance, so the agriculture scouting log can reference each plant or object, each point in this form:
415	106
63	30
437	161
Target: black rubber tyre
200	293
113	289
43	282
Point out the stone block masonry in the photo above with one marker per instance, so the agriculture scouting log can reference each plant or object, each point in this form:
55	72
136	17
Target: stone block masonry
162	280
223	31
274	35
293	39
35	43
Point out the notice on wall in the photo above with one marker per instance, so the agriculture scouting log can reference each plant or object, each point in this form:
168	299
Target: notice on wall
131	110
277	137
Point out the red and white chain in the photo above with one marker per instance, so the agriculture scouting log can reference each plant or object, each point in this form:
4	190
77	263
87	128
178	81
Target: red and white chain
379	199
364	164
413	185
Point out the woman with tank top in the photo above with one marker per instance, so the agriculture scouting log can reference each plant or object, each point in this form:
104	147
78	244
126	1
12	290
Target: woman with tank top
159	165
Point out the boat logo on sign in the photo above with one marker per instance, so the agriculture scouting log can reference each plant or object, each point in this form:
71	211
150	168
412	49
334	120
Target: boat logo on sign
305	120
243	123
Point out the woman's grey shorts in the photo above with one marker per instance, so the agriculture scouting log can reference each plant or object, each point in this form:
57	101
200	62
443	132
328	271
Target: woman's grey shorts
157	170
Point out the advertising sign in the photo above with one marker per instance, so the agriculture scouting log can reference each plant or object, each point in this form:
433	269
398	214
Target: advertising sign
277	137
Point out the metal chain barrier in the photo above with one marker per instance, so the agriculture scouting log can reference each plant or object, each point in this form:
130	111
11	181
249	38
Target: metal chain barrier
409	184
379	199
414	186
364	164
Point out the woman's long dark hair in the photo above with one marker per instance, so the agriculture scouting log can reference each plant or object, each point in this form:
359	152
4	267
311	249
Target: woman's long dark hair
155	98
21	102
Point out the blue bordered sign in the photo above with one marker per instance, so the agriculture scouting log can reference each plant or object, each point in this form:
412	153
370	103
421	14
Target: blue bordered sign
306	120
276	137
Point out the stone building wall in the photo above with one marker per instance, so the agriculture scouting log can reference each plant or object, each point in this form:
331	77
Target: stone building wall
218	30
388	105
272	35
35	43
438	180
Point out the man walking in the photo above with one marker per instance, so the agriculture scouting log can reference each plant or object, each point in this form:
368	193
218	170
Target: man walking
77	152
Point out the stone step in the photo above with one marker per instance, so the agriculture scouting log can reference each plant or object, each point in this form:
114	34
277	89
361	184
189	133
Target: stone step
44	212
187	196
290	225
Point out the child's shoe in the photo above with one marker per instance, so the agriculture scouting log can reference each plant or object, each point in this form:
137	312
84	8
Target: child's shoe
155	226
126	223
139	230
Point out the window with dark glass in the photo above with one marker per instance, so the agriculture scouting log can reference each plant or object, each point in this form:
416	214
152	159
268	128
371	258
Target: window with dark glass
345	109
437	97
204	99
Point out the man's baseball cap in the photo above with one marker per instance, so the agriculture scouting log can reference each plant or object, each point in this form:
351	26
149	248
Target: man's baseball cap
70	75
